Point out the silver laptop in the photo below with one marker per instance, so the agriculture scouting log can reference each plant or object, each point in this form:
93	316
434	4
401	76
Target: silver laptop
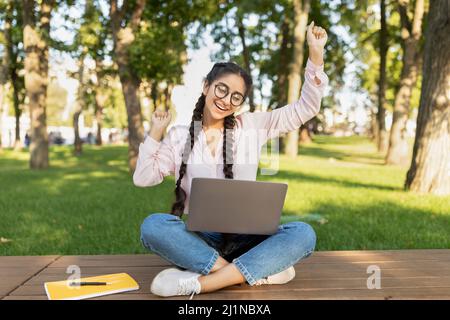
235	206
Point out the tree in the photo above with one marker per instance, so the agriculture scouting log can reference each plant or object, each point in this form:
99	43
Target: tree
240	42
273	62
411	33
274	42
89	44
56	102
93	35
382	136
35	40
3	70
246	57
301	11
125	22
13	40
373	26
149	44
80	102
100	86
430	166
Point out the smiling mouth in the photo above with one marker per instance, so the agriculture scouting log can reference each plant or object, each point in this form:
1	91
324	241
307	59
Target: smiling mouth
220	108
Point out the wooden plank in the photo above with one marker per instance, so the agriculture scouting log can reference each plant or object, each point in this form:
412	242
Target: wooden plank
56	274
127	261
37	288
403	252
433	293
348	294
16	270
405	274
24	298
22	261
424	273
10	282
373	257
110	260
320	271
316	257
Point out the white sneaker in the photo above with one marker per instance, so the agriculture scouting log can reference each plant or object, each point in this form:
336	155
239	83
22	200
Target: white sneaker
279	278
175	282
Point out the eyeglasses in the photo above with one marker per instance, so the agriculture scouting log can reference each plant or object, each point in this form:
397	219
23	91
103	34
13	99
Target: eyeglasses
221	90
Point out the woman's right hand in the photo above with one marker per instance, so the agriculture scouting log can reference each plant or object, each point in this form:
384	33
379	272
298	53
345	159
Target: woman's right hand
159	122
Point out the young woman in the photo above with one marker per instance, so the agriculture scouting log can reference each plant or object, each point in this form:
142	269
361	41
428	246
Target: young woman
208	261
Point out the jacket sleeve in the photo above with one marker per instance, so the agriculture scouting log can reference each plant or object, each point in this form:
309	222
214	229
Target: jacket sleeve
293	115
156	159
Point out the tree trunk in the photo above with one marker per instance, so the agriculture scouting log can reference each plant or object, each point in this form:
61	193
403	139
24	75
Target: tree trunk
78	143
2	95
246	56
3	80
295	82
373	127
305	135
430	166
99	118
123	37
36	78
283	70
4	88
398	152
382	135
12	70
17	110
79	105
154	95
100	100
17	113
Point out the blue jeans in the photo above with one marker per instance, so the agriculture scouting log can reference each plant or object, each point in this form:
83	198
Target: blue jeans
256	256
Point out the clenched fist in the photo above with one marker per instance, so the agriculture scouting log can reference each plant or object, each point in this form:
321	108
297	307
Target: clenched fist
159	122
316	38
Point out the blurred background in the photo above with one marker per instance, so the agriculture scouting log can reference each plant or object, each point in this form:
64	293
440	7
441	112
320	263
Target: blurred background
79	81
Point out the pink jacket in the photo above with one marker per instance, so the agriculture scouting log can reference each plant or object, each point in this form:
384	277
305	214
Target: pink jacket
159	159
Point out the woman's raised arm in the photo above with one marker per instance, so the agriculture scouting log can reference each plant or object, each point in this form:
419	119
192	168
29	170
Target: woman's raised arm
293	115
156	158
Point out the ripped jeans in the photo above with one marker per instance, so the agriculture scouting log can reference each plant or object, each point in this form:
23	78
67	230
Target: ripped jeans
256	256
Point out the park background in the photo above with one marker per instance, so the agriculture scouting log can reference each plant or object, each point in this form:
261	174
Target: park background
79	81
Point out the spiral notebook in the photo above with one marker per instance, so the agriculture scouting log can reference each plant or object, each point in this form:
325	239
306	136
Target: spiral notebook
115	283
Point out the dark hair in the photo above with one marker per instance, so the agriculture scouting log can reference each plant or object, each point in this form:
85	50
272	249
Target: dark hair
219	69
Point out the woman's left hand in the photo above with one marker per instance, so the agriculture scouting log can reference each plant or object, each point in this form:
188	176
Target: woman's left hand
317	38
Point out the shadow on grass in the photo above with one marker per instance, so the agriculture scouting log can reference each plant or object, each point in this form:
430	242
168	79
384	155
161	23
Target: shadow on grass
89	205
331	140
322	147
364	158
375	226
295	175
312	151
79	205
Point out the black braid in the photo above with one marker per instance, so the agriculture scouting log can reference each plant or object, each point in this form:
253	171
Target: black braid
217	71
228	142
180	194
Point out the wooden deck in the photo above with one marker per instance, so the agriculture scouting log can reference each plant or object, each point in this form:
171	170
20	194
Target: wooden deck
405	274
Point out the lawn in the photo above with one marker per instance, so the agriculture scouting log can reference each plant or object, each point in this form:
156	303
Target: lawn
89	205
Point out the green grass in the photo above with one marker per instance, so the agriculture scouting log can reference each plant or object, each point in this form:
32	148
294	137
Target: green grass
89	205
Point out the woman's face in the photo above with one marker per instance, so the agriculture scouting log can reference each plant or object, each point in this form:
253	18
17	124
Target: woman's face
224	96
